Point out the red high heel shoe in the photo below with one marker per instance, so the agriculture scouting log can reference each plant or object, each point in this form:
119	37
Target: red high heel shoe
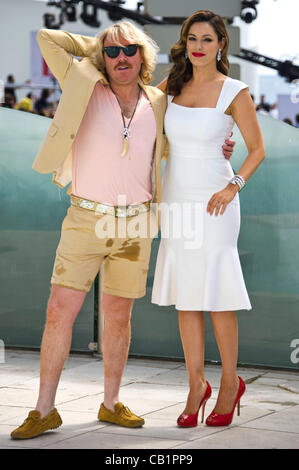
215	419
188	421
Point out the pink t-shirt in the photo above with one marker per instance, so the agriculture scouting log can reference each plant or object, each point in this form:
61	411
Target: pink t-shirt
99	171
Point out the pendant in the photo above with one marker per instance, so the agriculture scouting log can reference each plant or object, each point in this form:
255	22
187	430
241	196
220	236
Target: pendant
126	133
125	142
125	147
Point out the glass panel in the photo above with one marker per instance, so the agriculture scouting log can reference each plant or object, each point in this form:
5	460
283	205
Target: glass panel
32	210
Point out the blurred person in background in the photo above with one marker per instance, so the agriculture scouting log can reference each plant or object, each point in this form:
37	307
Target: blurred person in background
8	102
274	110
288	121
263	107
42	105
9	91
25	104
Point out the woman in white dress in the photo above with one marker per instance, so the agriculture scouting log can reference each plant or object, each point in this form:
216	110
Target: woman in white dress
198	267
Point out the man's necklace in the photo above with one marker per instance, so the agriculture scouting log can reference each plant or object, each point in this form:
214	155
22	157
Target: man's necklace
126	133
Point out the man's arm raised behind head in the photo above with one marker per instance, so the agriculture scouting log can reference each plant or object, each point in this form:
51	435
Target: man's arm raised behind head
58	48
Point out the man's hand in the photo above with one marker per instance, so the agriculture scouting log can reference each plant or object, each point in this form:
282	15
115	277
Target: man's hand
228	148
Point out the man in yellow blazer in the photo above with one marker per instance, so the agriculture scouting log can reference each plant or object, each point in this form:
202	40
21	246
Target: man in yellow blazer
107	138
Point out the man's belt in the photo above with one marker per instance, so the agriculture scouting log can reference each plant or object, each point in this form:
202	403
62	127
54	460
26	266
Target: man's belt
116	211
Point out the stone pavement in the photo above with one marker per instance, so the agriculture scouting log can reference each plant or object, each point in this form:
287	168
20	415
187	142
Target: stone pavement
157	391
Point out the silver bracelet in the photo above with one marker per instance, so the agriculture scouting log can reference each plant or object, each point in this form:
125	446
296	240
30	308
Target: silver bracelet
239	180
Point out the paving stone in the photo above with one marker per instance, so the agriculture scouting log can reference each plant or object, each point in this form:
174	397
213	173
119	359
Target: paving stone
156	390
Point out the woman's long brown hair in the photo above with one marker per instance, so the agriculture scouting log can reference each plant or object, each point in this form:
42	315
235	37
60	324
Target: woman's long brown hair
181	71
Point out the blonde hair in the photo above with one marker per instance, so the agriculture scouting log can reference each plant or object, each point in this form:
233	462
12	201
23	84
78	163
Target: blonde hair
134	35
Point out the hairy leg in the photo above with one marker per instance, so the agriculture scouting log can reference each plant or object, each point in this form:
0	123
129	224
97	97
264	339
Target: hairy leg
115	344
63	306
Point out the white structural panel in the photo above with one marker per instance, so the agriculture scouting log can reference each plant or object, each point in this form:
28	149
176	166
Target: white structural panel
179	8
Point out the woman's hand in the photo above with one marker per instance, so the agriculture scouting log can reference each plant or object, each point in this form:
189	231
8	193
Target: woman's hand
220	200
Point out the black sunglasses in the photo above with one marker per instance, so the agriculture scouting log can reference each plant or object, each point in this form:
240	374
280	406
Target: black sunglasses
113	51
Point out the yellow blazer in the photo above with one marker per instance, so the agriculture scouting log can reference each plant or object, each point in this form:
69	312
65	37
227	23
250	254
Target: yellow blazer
77	79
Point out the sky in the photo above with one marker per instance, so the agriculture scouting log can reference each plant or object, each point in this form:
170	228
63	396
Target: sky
275	31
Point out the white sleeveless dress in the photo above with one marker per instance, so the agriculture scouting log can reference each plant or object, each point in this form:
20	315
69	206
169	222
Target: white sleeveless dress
198	266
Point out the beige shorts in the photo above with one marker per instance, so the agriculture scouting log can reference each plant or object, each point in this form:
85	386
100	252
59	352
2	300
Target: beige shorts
89	240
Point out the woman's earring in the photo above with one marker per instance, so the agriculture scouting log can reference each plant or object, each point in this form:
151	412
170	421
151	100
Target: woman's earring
219	55
186	54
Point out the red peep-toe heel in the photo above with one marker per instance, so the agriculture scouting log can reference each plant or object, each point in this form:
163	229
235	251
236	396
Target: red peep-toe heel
215	419
188	421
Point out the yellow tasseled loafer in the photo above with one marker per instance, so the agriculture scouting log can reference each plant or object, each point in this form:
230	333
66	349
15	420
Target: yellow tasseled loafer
121	416
34	425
